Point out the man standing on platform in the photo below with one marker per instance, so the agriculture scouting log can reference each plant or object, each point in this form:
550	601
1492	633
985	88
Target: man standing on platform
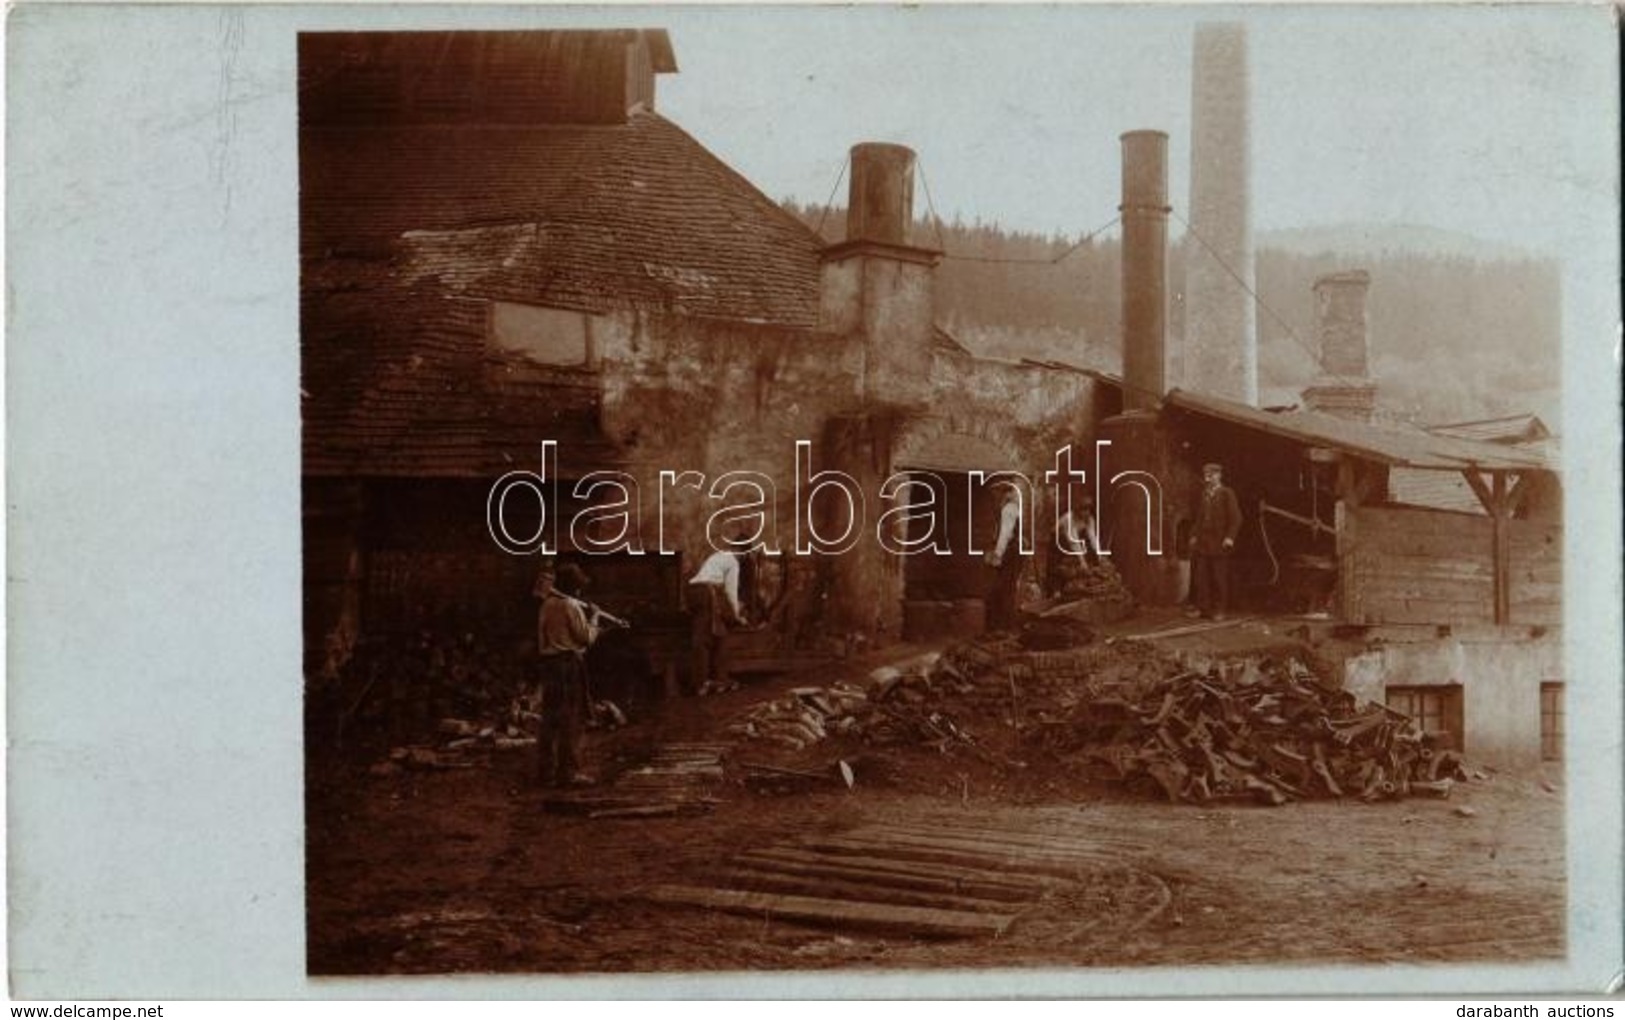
1218	519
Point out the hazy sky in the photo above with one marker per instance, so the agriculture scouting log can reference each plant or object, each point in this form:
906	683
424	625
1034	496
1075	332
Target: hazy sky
1483	120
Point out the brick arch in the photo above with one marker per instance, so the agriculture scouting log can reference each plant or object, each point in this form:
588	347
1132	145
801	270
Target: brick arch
946	444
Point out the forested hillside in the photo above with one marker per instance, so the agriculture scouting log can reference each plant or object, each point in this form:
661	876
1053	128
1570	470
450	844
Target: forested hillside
1451	337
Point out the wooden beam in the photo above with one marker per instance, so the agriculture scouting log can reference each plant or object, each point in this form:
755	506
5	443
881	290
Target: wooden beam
887	917
902	874
774	880
1480	490
1520	492
1502	513
1348	488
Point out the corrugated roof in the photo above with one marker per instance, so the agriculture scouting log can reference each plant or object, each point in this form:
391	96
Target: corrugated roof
592	217
1385	444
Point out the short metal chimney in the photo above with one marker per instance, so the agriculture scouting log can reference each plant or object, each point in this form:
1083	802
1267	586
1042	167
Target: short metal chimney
880	197
1145	268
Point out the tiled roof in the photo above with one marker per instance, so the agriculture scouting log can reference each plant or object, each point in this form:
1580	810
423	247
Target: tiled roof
407	234
419	392
591	217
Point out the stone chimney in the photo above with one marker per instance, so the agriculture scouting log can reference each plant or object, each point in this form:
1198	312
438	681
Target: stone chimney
878	286
1220	350
1344	386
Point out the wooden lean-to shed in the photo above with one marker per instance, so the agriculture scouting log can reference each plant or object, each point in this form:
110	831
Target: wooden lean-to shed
1398	563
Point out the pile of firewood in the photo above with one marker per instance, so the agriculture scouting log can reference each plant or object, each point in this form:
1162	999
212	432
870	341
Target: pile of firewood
1271	731
893	706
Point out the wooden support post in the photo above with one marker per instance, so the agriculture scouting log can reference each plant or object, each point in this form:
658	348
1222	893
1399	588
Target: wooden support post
1499	501
1503	550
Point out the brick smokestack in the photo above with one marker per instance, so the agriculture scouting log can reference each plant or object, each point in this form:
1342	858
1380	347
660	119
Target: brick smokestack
880	197
1145	268
1344	387
1220	353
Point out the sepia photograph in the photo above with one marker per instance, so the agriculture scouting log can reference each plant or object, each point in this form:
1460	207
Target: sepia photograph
814	502
1046	487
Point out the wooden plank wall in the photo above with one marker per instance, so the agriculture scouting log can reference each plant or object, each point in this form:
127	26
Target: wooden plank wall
1537	572
1406	565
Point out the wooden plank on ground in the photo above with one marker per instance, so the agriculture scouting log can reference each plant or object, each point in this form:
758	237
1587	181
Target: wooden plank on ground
665	809
758	880
993	859
905	874
1039	839
920	921
996	843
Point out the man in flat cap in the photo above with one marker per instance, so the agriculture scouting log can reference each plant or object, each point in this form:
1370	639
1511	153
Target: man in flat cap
1218	519
566	627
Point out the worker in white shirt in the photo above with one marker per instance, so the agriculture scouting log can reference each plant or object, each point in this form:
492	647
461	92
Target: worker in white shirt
713	606
1005	558
1077	539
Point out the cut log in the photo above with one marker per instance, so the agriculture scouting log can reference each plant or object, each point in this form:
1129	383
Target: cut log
923	922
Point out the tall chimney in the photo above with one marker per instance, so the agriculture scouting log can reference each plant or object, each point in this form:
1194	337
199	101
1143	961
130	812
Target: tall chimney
1220	354
1145	268
1344	387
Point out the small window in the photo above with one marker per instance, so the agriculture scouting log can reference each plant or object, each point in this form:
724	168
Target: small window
1551	721
1436	708
549	336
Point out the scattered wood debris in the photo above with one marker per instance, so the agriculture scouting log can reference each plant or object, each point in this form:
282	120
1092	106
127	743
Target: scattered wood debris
679	779
921	882
1271	731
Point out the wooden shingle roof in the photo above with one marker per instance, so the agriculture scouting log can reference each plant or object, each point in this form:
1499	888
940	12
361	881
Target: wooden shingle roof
638	215
407	234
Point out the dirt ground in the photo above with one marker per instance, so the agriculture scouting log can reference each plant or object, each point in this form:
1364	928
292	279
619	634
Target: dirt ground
461	871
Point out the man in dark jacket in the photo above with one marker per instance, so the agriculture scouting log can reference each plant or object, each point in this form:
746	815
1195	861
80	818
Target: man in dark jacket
1218	519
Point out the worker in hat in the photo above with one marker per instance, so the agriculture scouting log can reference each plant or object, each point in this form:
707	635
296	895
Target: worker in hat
565	628
1218	519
